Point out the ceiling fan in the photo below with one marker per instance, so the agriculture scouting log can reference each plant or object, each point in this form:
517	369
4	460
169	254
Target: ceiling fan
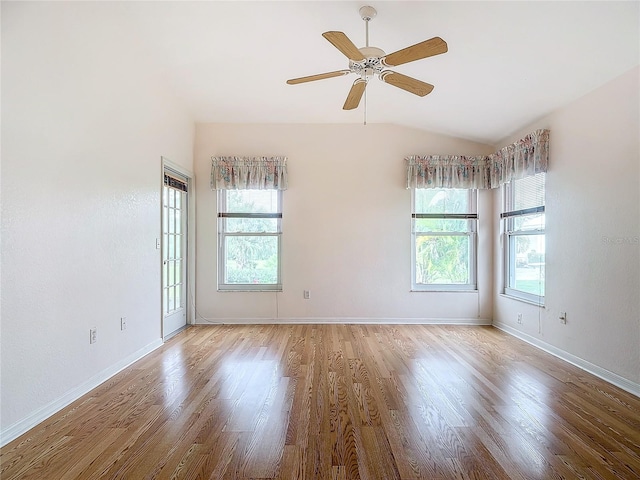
368	62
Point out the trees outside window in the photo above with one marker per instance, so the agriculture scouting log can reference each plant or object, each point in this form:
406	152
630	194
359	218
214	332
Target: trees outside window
249	229
444	223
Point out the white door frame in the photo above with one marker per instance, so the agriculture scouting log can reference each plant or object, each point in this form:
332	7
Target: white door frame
170	166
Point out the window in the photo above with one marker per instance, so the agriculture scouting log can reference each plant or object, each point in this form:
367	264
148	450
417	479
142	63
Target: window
249	229
524	245
444	222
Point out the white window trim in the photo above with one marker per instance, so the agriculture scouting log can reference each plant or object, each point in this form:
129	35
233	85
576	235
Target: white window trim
246	287
473	244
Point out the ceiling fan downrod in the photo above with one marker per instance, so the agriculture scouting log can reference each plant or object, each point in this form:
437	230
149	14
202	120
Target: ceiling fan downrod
367	13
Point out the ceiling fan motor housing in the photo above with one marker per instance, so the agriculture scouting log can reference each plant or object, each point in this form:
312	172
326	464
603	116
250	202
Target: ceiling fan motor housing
371	65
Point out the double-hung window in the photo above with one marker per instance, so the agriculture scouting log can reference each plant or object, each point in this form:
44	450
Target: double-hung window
524	238
444	225
249	243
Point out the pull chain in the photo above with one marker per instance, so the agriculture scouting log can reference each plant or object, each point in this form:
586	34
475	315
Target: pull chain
365	106
366	35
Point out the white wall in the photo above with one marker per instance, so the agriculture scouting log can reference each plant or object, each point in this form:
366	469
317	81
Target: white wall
346	226
83	132
592	235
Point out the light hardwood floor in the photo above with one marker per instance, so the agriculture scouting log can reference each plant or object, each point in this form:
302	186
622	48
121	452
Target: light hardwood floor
339	402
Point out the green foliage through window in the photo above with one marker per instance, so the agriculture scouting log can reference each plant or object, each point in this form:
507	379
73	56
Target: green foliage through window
249	247
443	248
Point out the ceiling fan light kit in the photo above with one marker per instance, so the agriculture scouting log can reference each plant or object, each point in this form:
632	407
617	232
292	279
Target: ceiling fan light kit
368	62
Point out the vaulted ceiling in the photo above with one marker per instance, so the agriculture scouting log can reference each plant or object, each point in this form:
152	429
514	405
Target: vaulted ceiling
508	63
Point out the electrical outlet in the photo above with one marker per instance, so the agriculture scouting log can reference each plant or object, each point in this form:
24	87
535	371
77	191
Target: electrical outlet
563	317
307	294
123	323
520	319
93	335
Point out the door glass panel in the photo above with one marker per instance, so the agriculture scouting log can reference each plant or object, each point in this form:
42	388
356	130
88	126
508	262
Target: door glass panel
177	220
178	297
173	255
178	247
172	298
171	220
172	249
178	271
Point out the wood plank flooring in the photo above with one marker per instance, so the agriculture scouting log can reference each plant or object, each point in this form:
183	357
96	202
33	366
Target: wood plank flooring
339	402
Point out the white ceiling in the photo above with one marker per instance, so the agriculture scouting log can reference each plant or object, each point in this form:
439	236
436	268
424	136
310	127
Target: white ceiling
509	63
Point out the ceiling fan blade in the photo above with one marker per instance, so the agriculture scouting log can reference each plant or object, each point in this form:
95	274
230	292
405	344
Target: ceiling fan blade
409	84
355	94
342	43
320	76
428	48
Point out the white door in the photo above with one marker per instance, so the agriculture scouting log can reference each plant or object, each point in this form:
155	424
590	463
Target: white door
174	248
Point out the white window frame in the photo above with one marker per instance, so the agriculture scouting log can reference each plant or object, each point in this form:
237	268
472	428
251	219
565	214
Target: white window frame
472	233
223	234
508	241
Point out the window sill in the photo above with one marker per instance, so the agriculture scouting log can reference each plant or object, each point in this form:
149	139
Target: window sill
523	300
249	290
443	290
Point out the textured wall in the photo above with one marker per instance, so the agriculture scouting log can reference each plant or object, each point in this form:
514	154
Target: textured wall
593	232
83	132
346	225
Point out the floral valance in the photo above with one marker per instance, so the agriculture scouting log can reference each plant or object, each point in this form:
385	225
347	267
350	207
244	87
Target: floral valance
523	158
248	173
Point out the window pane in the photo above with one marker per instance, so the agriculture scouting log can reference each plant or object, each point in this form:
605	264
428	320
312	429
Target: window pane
528	192
528	222
527	273
441	200
442	259
251	259
253	225
441	225
254	201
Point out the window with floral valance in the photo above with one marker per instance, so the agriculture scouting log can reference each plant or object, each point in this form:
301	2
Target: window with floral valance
249	191
528	156
248	173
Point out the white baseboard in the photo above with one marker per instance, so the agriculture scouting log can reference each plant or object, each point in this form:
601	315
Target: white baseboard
600	372
343	320
18	428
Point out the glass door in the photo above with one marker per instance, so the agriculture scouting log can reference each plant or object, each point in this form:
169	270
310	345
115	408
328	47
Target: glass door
174	248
